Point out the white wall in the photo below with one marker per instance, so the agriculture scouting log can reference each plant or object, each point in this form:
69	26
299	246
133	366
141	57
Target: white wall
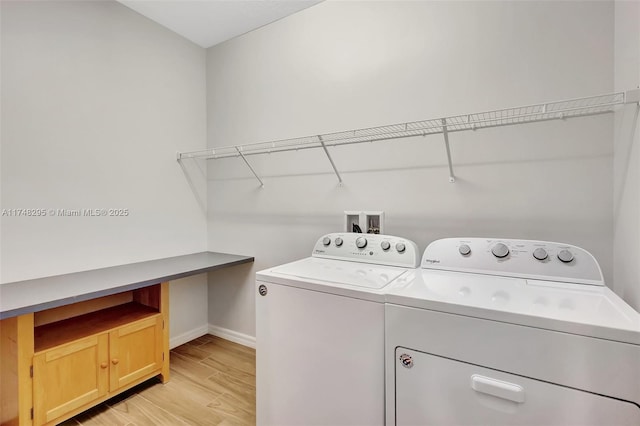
626	208
96	100
342	65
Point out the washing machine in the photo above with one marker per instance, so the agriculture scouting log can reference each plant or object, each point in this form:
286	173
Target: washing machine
510	332
320	331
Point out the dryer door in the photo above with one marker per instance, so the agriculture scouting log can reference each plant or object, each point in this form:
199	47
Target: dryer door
441	391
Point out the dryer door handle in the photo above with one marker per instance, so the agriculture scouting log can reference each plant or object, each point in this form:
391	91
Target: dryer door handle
497	388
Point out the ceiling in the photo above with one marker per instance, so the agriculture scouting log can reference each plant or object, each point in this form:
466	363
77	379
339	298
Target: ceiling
209	22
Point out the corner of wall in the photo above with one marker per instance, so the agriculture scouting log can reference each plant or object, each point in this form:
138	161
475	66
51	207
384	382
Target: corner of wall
626	205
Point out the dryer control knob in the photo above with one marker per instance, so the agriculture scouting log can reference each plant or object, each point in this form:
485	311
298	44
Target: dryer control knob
385	245
500	250
361	242
565	255
401	247
540	253
326	241
338	242
464	250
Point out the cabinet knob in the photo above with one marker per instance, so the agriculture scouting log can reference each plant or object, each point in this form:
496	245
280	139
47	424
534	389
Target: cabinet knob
104	364
115	361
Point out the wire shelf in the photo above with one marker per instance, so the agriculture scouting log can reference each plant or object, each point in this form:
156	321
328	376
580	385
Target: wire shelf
558	110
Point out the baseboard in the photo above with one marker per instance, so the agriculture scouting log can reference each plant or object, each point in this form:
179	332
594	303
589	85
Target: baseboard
234	336
188	336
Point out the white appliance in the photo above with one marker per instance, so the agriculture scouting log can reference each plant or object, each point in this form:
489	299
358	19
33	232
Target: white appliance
510	332
320	331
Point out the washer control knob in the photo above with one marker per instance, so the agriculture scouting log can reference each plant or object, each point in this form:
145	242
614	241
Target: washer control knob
385	245
400	247
540	253
565	255
326	241
361	242
338	242
464	250
500	250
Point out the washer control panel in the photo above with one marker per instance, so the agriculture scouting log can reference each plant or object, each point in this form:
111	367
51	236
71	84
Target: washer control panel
368	248
541	260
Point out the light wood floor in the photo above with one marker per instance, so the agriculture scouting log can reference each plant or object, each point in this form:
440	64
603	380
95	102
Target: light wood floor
212	383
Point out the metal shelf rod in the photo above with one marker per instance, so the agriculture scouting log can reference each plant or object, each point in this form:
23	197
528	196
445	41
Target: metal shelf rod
452	178
249	165
208	155
326	151
577	107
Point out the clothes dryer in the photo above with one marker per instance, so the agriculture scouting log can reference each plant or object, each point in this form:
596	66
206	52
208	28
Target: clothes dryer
510	332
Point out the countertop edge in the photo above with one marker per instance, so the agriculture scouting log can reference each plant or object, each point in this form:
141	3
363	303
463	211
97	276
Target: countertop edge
133	285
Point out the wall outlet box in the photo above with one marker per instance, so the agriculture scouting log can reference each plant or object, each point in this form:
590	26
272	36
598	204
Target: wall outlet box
369	222
351	218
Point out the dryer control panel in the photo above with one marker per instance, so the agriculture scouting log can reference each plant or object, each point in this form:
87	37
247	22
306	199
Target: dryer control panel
541	260
368	248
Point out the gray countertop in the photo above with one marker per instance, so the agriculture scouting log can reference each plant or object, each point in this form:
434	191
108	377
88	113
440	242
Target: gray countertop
22	297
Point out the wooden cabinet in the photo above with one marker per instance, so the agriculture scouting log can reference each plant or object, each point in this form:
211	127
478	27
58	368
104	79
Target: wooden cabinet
135	351
69	376
82	354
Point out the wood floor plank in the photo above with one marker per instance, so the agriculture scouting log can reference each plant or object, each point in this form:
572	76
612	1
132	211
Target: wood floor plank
231	406
202	340
244	394
239	361
191	352
190	368
71	422
198	391
229	343
103	415
188	410
232	422
144	413
248	406
216	343
230	370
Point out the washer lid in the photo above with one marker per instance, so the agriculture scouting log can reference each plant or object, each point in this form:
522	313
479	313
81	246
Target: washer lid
339	272
579	309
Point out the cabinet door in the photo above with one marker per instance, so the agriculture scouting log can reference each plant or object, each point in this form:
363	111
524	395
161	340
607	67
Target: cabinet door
69	376
135	351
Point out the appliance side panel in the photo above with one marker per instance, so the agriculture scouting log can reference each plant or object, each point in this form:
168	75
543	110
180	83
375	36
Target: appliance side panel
294	327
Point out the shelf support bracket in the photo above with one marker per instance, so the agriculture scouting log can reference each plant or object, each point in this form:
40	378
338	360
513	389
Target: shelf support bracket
445	133
249	165
326	151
